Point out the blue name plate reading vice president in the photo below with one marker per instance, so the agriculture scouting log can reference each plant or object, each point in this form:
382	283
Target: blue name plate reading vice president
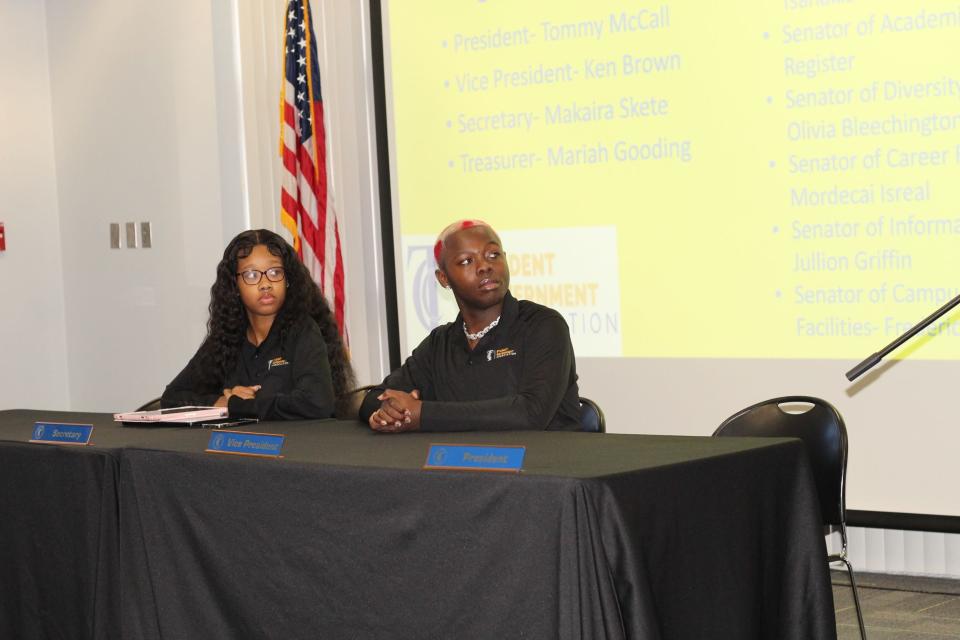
61	433
242	443
471	457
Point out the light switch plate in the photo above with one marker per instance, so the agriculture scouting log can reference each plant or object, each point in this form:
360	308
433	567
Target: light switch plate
131	235
146	239
114	235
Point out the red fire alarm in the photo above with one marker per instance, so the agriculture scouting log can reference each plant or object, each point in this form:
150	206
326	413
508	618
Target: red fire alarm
3	239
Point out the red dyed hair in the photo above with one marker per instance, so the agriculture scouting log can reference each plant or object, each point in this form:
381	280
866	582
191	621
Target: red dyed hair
459	225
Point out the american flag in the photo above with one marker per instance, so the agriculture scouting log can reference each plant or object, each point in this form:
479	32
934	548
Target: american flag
305	209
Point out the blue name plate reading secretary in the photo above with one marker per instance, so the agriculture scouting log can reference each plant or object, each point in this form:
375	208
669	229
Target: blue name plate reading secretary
472	457
242	443
61	433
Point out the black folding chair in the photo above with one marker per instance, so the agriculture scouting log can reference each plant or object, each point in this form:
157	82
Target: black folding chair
153	405
822	430
591	417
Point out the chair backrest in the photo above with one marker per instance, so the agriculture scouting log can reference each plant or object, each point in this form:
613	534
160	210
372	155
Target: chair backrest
822	430
591	417
153	405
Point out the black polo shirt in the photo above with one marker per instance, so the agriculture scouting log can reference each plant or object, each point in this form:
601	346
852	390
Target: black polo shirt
293	372
521	375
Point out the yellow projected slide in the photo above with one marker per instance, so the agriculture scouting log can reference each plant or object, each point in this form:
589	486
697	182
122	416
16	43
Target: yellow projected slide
689	179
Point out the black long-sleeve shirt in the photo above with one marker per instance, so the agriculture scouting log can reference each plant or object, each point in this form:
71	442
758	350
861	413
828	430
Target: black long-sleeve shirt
293	374
521	375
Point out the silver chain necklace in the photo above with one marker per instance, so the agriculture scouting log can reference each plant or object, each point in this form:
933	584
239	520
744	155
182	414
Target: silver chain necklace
473	337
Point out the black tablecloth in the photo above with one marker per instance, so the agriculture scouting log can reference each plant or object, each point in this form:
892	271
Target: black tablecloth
602	536
59	542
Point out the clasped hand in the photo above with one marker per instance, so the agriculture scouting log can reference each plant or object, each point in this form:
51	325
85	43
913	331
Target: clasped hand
246	393
399	411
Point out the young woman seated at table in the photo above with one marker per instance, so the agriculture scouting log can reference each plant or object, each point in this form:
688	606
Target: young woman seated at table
272	350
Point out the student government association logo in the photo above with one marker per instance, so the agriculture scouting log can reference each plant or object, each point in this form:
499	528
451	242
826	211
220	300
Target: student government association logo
424	289
496	354
546	267
277	362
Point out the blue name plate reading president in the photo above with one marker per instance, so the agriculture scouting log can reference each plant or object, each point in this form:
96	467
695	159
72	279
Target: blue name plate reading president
242	443
61	433
472	457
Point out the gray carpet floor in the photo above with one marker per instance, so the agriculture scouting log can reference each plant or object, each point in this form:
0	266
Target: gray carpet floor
898	607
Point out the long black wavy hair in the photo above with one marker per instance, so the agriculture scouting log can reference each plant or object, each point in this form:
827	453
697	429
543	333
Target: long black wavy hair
227	326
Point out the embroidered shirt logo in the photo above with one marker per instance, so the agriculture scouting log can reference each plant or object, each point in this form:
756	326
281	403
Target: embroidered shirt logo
496	354
277	362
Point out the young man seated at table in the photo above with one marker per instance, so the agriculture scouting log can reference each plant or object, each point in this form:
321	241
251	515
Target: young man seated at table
502	364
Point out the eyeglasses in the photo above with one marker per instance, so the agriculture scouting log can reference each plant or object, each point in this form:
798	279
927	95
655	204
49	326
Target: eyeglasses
253	276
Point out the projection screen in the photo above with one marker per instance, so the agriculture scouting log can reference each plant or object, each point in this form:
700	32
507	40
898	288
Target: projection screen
726	201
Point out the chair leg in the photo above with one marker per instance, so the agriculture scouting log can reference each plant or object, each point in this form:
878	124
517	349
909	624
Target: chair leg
856	595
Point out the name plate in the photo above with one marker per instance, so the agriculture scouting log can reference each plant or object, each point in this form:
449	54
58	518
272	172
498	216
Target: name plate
61	433
242	443
472	457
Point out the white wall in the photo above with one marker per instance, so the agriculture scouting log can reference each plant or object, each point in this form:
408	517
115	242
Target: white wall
141	113
907	552
33	371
